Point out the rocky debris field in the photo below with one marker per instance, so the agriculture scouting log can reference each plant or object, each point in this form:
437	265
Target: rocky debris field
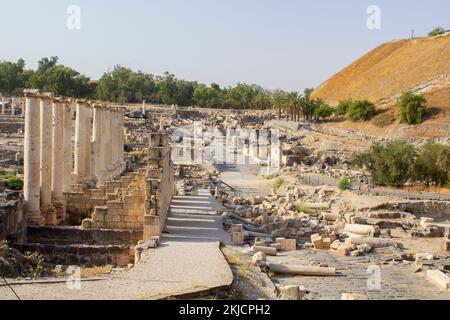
320	218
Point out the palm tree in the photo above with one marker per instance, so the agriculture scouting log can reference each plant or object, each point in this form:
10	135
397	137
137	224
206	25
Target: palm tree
307	105
294	102
279	101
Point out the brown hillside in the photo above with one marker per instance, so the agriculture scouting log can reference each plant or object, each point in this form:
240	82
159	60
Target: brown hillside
421	65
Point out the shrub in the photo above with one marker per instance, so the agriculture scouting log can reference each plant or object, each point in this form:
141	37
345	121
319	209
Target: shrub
436	32
360	110
412	108
303	209
433	164
278	183
383	120
324	111
391	164
13	182
342	107
344	184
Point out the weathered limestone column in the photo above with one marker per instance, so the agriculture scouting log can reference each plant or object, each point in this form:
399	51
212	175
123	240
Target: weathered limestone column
23	111
57	156
92	179
31	187
67	147
82	141
109	149
98	140
13	107
122	139
46	157
3	105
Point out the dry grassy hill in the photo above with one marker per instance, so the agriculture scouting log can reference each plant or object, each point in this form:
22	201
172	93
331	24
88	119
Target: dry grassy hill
421	65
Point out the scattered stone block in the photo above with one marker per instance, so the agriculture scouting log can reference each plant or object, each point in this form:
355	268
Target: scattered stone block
439	278
290	245
259	259
326	243
237	238
352	296
424	256
343	250
276	246
281	242
316	240
267	250
291	293
237	228
335	245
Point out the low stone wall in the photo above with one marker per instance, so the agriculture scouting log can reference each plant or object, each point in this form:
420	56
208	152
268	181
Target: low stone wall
283	125
71	235
81	255
12	220
437	209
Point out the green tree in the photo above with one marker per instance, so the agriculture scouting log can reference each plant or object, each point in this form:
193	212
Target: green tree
279	101
436	32
433	164
392	164
323	111
13	76
360	110
342	107
412	108
307	104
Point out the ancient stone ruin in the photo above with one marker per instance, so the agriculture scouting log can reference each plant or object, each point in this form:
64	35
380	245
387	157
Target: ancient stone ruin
82	204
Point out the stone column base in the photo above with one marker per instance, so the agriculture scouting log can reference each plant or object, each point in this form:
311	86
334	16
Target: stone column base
35	218
50	214
60	207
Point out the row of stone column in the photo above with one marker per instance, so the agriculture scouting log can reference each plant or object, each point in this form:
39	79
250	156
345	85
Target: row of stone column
13	107
49	169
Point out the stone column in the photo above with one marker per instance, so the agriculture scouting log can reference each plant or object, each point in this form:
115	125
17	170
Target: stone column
67	147
98	140
46	157
3	105
121	138
13	107
57	157
82	141
23	111
108	153
31	188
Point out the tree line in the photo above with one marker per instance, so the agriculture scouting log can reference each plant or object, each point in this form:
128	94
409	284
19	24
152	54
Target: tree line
123	85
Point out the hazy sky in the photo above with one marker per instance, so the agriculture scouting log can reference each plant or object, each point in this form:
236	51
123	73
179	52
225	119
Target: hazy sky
284	44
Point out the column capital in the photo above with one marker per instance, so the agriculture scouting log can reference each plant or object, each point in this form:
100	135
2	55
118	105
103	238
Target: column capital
61	99
46	95
82	102
32	93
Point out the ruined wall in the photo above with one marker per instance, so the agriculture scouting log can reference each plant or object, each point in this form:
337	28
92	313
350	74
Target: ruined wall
437	209
125	208
12	219
160	182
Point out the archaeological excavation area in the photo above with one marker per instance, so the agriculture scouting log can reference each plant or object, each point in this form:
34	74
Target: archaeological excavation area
118	199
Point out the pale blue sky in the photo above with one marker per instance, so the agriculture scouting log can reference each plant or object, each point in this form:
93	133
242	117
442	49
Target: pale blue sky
284	44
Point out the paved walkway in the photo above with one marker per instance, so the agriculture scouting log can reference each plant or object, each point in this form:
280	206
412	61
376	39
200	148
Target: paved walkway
188	260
